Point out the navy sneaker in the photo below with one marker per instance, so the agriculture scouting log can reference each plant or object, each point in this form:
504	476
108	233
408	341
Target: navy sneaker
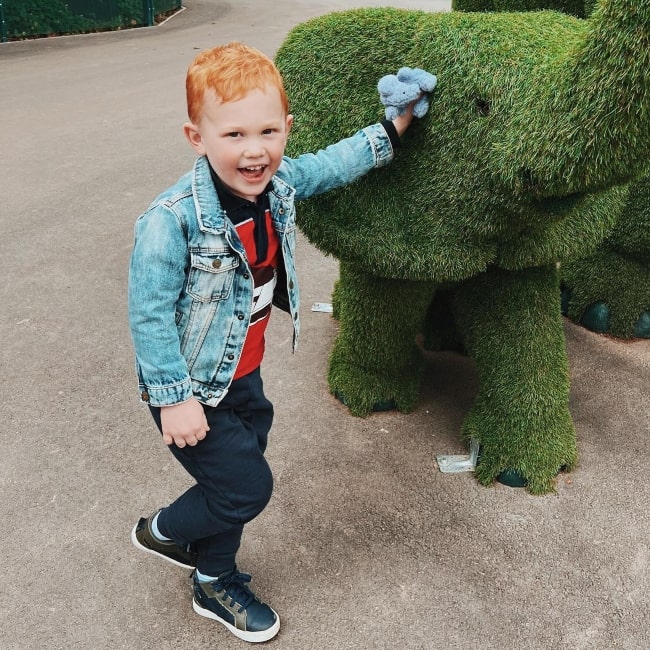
143	537
229	601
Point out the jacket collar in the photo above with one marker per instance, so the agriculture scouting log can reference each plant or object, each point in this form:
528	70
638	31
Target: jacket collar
209	212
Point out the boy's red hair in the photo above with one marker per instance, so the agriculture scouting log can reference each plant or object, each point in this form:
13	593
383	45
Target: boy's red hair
231	71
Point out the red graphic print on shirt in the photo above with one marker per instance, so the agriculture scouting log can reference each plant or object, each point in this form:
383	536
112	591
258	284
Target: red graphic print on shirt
264	278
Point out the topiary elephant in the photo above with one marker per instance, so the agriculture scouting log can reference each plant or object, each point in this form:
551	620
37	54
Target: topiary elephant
609	291
537	121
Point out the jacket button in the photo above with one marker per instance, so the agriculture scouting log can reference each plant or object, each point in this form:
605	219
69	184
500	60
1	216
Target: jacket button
216	264
240	316
231	357
281	210
246	276
290	284
144	396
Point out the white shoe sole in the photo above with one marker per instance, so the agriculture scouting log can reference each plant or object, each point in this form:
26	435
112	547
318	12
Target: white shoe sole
251	637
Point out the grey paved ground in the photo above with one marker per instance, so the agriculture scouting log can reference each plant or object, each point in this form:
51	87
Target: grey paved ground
365	544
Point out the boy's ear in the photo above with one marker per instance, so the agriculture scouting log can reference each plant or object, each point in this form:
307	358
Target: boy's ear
289	123
194	138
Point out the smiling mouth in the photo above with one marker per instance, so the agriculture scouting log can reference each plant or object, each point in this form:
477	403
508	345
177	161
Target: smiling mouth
253	172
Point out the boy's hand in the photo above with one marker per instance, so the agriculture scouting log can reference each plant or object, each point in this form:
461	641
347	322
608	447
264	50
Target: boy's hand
184	423
403	121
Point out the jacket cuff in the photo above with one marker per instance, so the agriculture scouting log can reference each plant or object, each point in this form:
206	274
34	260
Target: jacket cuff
166	395
391	131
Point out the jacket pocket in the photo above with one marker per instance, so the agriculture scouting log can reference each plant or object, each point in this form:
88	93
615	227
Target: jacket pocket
211	274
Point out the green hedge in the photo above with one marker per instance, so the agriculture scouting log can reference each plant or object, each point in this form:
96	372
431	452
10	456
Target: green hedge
39	17
32	18
580	8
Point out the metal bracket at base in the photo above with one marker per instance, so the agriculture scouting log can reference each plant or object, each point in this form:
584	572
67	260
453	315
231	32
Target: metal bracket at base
323	307
454	464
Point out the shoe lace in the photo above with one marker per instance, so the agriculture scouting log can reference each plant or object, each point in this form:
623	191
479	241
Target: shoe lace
234	586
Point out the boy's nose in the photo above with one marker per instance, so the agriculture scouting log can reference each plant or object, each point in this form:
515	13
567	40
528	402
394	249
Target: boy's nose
254	149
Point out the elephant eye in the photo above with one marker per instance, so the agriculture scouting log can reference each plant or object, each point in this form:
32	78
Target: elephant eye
482	106
529	182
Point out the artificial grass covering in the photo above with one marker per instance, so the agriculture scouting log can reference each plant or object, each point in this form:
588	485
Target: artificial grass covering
608	291
537	118
580	8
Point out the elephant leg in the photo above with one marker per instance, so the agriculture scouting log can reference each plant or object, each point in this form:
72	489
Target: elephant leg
512	327
375	360
609	292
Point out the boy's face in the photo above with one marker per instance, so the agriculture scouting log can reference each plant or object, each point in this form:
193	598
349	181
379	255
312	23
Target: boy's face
244	140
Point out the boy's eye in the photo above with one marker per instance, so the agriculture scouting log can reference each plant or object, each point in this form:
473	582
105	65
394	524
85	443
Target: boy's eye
233	134
267	131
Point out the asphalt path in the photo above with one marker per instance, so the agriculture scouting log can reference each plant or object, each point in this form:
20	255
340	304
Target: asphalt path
365	544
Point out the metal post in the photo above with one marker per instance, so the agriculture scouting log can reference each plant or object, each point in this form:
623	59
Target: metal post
3	25
149	12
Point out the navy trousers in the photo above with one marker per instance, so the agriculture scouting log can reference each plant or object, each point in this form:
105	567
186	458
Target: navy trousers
233	479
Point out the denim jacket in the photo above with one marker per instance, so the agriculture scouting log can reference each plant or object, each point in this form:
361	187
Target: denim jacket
190	284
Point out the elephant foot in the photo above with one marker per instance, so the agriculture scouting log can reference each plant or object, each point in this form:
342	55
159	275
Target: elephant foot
364	391
529	453
597	318
512	478
383	405
536	480
608	293
538	475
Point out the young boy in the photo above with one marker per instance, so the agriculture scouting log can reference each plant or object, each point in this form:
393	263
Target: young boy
211	255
